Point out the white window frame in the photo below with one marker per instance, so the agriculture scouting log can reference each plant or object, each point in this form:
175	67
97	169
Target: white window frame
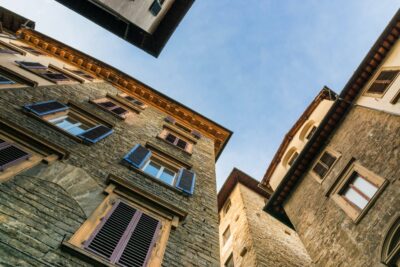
160	171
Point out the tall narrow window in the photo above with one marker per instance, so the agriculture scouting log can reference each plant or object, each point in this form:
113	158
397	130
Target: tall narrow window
382	82
391	245
227	206
293	158
155	7
311	132
48	73
111	106
359	191
229	262
324	164
177	140
226	235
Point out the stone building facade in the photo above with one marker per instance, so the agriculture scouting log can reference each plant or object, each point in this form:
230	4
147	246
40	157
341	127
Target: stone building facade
250	237
342	193
97	168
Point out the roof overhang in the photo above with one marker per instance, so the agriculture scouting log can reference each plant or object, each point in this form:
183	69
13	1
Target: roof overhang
334	117
122	27
12	22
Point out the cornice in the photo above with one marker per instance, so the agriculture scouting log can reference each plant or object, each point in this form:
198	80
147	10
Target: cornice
128	85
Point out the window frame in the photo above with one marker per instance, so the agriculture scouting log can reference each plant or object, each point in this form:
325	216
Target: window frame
230	258
355	213
39	149
333	153
380	95
165	164
178	136
9	46
78	111
227	206
123	116
28	49
84	77
52	68
226	235
19	80
76	242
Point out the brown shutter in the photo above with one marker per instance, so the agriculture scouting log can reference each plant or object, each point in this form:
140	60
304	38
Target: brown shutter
384	79
140	244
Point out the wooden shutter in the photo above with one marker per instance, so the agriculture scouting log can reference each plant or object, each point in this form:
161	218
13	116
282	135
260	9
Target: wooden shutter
11	155
141	242
114	108
169	119
95	134
46	107
107	239
31	65
196	134
384	79
186	181
125	236
138	156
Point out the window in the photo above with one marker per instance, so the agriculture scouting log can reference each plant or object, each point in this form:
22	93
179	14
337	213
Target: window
11	79
29	49
182	128
229	261
81	74
391	246
227	206
132	100
357	190
324	164
123	233
226	235
6	48
50	73
161	167
111	106
293	158
70	119
382	82
177	140
155	7
20	149
311	132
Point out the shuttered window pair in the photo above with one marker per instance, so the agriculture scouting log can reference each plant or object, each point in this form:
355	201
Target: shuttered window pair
112	107
140	158
382	82
48	73
68	121
125	236
171	120
11	155
132	100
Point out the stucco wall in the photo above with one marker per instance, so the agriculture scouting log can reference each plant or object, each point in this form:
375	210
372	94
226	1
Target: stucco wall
329	235
193	243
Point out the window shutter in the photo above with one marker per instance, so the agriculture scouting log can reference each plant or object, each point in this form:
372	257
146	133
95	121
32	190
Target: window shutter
196	134
107	239
47	107
383	80
186	181
11	155
138	156
95	134
140	244
31	65
119	111
169	119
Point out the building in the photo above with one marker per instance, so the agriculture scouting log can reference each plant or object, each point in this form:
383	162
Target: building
97	168
342	193
147	24
250	237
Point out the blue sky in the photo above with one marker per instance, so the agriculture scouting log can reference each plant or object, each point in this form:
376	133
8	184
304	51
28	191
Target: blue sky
252	66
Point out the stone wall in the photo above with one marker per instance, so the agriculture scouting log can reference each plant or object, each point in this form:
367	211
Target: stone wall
267	241
193	243
330	236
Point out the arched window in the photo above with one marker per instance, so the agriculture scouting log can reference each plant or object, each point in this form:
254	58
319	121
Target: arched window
391	245
307	131
290	157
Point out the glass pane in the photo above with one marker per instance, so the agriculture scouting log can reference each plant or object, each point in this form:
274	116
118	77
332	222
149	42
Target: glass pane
4	80
226	234
152	168
355	198
364	186
320	170
70	125
167	176
328	159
